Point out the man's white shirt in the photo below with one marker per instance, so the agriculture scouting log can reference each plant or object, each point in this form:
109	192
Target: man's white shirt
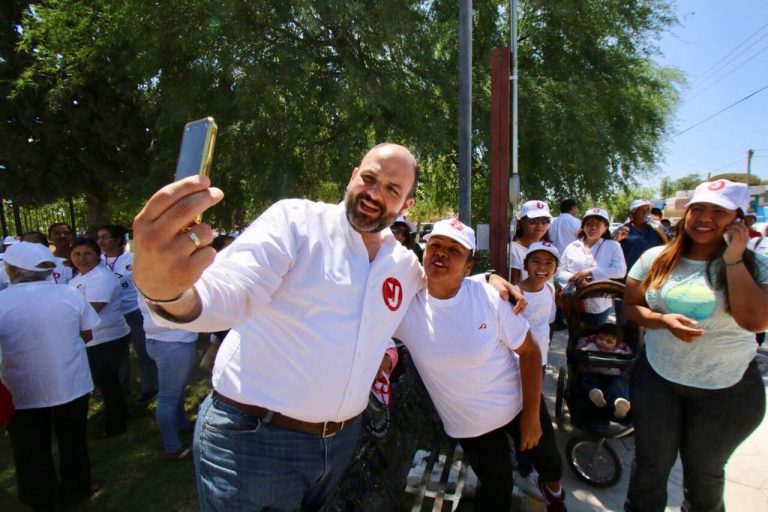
311	316
564	230
463	349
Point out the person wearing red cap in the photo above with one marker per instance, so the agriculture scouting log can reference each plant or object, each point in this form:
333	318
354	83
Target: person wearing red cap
695	387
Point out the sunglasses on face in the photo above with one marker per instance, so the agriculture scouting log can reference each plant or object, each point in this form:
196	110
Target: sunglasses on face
539	220
399	230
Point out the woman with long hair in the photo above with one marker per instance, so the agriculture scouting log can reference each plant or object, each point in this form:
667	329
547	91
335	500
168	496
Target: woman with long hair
594	256
695	387
111	239
531	228
110	338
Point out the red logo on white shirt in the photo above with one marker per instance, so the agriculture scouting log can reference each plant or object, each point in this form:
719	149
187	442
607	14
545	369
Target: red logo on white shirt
128	267
716	185
483	326
392	291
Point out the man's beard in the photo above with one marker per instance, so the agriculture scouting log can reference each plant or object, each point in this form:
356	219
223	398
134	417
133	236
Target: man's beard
363	223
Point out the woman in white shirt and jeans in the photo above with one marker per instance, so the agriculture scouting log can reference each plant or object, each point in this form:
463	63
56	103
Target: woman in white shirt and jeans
593	257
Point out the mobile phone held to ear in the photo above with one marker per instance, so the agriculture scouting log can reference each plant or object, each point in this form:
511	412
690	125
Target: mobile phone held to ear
196	152
726	235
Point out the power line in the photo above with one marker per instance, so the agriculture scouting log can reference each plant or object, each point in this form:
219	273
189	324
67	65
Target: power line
716	64
729	73
723	110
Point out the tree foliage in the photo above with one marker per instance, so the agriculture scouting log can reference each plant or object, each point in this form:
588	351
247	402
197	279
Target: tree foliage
688	182
95	93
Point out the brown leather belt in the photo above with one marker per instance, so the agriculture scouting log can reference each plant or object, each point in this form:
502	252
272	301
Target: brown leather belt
326	429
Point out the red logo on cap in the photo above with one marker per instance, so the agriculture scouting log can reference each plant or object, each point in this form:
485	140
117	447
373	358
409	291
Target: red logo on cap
716	185
456	224
128	267
595	210
546	244
539	205
392	292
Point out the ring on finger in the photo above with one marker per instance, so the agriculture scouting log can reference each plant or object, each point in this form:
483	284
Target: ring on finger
195	239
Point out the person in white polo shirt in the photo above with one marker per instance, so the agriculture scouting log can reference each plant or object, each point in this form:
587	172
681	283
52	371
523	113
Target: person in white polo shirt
313	293
110	340
43	330
481	368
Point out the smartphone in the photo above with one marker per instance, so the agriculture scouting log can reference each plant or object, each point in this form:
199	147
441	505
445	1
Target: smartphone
196	152
726	236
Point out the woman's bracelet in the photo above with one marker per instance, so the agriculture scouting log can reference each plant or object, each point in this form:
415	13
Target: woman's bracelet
733	263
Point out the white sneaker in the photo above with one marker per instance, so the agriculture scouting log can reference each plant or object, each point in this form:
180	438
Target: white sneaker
597	397
528	484
621	408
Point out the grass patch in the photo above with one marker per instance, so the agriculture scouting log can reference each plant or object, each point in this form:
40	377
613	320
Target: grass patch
135	473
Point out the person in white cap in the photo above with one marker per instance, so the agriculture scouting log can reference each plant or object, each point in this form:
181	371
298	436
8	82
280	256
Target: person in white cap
481	368
593	257
531	227
637	235
405	233
7	242
695	387
43	329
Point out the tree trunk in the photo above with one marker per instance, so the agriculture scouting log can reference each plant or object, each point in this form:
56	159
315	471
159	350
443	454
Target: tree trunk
97	200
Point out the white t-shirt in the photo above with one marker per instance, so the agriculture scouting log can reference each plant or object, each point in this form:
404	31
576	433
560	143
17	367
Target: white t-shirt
517	253
157	333
122	267
540	312
311	316
463	348
606	260
100	285
5	281
563	230
759	244
719	358
61	273
44	359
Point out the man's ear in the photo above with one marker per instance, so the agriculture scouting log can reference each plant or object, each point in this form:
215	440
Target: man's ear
407	206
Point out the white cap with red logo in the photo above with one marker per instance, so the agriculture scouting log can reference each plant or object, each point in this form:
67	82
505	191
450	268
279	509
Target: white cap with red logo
534	209
455	230
597	212
10	240
723	193
543	246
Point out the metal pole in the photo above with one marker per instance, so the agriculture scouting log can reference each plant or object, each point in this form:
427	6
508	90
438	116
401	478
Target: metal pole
465	111
750	153
514	181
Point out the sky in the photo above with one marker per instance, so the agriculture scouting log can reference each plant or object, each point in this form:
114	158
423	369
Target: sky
722	47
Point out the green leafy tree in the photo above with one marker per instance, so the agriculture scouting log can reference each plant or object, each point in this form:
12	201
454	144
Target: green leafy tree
688	182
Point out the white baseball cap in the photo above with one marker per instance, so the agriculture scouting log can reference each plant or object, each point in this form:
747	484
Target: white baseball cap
637	203
405	221
533	209
723	193
455	230
597	212
10	240
29	256
544	246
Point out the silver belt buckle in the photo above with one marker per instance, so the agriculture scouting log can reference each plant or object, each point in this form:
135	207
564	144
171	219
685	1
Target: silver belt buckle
325	426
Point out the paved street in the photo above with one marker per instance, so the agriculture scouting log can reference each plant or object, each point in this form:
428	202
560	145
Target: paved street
746	487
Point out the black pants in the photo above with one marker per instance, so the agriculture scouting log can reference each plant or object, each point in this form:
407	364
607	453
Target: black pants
104	360
489	456
705	426
30	431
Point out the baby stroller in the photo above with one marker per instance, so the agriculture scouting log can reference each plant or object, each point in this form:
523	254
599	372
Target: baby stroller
588	453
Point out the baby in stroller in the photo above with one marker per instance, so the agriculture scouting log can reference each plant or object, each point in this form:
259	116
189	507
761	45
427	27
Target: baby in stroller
606	386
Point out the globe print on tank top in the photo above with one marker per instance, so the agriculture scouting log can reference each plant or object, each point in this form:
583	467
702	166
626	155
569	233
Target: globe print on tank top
686	292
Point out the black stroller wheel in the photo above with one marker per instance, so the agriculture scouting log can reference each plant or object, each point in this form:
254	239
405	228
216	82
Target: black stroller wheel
593	460
562	375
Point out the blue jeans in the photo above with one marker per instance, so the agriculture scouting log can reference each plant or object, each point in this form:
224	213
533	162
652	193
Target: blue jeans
175	361
704	425
246	463
595	319
147	367
612	386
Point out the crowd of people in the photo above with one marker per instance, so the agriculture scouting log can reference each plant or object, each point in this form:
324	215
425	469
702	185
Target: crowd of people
320	291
